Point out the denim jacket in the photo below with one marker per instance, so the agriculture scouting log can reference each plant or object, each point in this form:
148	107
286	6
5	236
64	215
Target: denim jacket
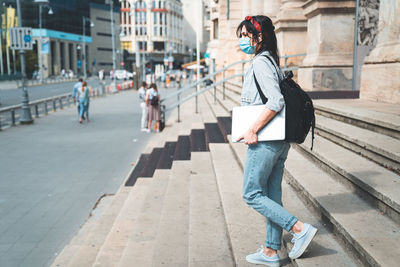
267	78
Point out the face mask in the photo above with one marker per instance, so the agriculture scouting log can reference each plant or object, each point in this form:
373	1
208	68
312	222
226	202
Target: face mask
245	46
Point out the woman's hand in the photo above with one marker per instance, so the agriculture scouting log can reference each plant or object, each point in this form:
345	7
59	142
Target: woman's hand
250	137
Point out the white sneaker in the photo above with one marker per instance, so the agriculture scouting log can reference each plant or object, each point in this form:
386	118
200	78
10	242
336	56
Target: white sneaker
143	129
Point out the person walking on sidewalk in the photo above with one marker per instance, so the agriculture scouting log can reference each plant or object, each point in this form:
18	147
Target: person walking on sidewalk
75	91
142	99
83	99
262	185
153	105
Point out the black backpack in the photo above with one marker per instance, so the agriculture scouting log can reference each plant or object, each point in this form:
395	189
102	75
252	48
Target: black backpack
154	101
299	108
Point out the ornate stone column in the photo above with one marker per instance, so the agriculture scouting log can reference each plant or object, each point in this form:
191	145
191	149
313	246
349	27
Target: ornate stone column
381	70
330	31
271	8
291	30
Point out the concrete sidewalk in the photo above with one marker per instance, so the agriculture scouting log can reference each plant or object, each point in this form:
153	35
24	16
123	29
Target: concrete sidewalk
53	172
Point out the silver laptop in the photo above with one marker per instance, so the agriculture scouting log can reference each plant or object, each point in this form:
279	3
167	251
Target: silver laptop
244	117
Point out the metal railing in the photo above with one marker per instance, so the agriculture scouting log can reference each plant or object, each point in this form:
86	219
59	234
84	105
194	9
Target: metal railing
214	85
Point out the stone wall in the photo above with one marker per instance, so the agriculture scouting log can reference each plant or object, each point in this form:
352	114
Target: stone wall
381	71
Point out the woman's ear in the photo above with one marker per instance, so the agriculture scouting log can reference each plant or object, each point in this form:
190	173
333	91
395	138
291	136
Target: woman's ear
260	37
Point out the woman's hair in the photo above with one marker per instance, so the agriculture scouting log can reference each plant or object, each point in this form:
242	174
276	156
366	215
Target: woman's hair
269	42
83	86
154	86
144	84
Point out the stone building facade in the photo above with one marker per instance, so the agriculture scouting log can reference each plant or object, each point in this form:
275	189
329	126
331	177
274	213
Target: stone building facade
324	31
153	27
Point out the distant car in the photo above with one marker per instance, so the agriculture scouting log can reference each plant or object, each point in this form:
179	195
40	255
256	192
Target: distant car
123	75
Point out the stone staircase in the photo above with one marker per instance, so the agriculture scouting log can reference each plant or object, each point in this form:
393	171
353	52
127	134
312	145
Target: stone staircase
181	205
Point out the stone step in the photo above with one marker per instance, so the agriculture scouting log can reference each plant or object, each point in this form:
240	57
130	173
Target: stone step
209	243
85	251
206	112
325	250
167	156
369	180
139	248
151	163
226	104
369	236
182	150
246	227
171	246
117	239
380	148
373	116
216	108
234	96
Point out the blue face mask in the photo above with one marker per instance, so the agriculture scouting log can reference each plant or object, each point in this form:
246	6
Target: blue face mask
245	46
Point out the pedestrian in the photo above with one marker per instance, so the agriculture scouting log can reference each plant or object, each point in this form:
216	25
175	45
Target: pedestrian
262	185
142	99
77	86
153	105
83	99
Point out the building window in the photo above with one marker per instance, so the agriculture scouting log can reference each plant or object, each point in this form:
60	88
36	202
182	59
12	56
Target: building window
104	34
155	30
104	49
104	19
127	45
105	64
155	17
215	29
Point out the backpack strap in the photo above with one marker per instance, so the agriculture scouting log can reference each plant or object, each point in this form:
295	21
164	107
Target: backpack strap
312	132
263	98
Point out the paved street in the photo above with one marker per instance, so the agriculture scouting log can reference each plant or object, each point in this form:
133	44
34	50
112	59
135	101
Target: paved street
10	97
53	172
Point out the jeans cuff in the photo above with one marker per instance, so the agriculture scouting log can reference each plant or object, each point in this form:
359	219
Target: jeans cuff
274	246
290	223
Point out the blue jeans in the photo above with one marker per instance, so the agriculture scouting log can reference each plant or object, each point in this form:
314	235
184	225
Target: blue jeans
262	187
84	109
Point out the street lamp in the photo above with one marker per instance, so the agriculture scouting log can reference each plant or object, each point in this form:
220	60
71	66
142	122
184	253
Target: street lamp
84	20
115	90
42	3
26	116
143	51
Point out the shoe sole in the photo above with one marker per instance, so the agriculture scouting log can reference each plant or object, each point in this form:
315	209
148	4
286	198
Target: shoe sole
305	244
270	264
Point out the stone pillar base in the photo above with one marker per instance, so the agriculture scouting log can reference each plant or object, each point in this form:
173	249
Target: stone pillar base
380	82
325	78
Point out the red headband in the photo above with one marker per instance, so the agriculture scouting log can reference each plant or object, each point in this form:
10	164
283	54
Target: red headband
255	23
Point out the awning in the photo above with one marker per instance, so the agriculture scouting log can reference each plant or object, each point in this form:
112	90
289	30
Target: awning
184	66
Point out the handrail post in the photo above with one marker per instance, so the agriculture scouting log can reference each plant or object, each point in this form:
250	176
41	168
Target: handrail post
178	107
46	111
13	117
223	84
36	111
61	104
215	94
286	58
54	105
243	72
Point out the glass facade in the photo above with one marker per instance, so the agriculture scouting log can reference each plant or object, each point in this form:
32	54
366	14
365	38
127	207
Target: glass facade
67	15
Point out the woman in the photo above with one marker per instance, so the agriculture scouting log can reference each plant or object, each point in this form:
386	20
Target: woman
142	98
265	160
83	99
153	105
